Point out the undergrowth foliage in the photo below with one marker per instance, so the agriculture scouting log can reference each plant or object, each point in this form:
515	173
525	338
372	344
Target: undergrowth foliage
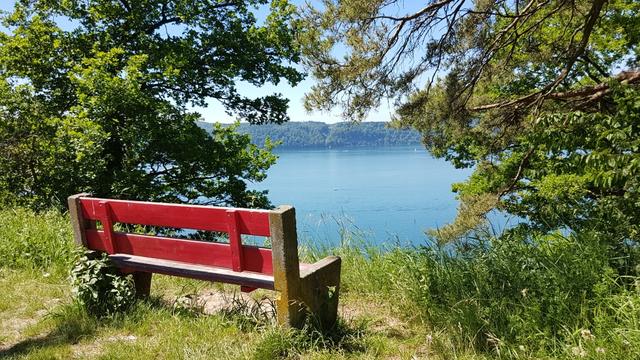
100	287
520	294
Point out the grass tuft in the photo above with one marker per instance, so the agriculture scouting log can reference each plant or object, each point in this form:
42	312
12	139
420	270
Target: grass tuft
346	337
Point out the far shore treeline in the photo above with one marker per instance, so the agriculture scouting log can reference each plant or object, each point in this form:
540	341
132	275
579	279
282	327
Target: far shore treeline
315	134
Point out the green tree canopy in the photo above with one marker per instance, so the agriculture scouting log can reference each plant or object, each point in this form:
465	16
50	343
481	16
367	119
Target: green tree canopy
539	96
94	96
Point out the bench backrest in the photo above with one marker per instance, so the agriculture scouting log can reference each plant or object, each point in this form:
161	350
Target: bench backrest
85	211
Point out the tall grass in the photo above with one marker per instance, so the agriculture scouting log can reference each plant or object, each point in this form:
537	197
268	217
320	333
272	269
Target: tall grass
35	240
517	295
536	296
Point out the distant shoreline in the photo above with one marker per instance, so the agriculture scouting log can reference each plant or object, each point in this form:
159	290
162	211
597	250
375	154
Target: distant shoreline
417	147
319	135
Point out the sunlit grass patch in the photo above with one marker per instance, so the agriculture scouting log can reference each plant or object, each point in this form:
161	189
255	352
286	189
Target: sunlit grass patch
40	240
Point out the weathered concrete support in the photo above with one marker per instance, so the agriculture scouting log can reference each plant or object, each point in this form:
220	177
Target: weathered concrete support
315	291
286	266
321	289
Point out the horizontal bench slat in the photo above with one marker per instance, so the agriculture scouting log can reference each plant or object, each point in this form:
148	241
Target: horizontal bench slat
201	272
198	252
250	222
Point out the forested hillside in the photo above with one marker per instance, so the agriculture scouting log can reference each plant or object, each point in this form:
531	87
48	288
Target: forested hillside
318	134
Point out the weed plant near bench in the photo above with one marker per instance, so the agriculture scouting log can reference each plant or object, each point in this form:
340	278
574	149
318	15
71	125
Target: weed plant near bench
100	287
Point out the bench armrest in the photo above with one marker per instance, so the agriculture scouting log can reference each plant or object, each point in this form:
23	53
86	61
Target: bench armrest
325	272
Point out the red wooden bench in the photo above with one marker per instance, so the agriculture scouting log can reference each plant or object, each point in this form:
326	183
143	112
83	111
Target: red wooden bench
303	289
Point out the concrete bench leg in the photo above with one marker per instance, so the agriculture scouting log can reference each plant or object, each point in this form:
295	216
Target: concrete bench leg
321	289
316	296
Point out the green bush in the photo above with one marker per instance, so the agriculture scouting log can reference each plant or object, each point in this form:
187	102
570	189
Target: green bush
31	239
100	287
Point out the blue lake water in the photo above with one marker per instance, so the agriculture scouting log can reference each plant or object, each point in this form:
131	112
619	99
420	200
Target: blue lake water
389	195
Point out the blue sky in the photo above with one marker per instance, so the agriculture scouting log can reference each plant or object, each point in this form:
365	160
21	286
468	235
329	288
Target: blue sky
214	112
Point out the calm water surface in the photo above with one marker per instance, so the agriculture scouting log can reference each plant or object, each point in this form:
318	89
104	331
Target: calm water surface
389	194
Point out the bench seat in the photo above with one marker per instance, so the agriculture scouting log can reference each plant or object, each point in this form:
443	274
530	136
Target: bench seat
249	279
194	271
